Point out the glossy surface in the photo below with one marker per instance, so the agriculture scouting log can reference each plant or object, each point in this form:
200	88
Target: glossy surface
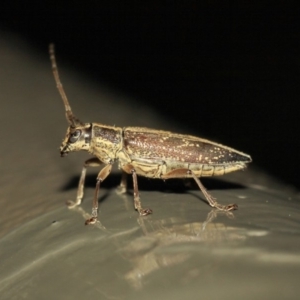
183	249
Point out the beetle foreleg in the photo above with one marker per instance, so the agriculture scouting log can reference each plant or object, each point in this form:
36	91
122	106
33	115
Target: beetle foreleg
182	173
136	196
101	176
92	162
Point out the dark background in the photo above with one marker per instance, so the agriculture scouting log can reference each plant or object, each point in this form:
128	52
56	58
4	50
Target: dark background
227	73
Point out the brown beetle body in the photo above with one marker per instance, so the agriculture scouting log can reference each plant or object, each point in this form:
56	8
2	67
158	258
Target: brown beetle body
167	151
145	152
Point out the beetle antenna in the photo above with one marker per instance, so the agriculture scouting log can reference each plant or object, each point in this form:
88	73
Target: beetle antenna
72	120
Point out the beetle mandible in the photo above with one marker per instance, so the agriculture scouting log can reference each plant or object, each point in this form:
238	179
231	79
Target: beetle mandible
145	152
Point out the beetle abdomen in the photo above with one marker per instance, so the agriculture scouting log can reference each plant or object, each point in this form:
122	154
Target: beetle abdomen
154	144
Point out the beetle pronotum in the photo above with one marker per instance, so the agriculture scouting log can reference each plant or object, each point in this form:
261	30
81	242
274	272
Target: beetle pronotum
146	152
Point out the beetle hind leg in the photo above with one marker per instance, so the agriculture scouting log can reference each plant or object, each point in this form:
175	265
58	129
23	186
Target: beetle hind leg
182	173
211	200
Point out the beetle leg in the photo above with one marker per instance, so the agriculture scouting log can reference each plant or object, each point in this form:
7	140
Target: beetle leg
92	162
122	188
137	202
101	176
182	173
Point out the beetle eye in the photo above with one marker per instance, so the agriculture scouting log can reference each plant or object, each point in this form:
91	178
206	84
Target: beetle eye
74	136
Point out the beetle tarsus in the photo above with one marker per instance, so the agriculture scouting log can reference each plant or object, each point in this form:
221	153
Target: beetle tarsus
92	220
71	204
145	212
228	207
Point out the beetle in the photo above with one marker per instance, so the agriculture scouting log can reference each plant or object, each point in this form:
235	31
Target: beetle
146	152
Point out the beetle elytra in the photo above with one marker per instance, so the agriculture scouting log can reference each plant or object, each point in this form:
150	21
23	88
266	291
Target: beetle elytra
146	152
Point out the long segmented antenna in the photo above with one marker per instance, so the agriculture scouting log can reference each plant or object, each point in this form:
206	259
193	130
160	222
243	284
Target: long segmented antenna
72	120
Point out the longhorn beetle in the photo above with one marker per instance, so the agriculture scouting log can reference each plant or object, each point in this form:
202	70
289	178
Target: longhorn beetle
146	152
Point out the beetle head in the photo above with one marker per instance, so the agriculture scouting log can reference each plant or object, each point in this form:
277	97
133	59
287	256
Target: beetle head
78	135
77	138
